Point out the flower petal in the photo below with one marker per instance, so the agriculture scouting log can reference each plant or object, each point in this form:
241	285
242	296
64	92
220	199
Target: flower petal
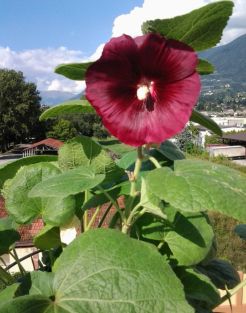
170	59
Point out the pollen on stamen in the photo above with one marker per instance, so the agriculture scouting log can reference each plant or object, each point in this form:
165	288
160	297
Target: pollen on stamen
142	92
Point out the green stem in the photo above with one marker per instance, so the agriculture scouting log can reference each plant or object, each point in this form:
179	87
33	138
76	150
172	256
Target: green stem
85	215
92	220
114	202
134	215
233	291
160	245
104	215
133	192
15	257
5	276
137	169
155	162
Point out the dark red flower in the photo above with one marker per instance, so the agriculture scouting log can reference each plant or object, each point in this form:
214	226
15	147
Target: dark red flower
144	88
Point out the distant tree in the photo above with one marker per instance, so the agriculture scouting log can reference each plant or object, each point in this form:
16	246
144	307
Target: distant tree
19	109
63	130
187	139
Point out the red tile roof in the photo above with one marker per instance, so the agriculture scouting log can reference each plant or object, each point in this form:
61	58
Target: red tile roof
50	142
27	232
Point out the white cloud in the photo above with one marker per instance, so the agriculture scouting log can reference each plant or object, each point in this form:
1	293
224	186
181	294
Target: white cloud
38	66
152	9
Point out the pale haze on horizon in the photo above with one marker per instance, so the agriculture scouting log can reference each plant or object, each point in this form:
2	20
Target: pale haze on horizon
38	64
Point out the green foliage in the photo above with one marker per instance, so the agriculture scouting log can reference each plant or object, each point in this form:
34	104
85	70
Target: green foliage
213	139
8	234
20	109
87	152
198	287
9	170
194	28
23	209
75	71
71	182
230	246
89	294
204	67
205	121
226	188
48	238
63	130
66	108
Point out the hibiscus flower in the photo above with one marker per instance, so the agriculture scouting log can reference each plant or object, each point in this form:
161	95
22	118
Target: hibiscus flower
144	88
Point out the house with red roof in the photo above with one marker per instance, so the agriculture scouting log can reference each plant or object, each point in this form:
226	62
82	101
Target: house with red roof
46	146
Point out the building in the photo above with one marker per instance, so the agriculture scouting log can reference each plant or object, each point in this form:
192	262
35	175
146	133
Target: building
46	146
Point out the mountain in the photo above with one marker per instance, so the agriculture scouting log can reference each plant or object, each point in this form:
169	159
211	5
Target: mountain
229	60
52	97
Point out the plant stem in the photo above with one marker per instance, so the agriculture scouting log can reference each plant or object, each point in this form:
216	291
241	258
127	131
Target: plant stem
93	218
126	226
114	202
85	215
155	162
15	257
104	215
5	277
133	192
137	169
233	291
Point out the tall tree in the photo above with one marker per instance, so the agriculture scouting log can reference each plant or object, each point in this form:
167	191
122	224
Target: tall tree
19	109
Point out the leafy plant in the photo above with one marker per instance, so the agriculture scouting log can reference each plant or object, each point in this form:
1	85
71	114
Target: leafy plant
159	252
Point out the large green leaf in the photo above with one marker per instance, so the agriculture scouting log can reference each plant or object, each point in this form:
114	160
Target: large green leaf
201	29
127	160
150	202
30	304
9	170
8	235
170	151
23	209
7	294
196	185
71	182
167	149
189	236
205	121
204	67
7	238
198	286
87	152
95	275
65	108
115	146
41	283
47	238
75	71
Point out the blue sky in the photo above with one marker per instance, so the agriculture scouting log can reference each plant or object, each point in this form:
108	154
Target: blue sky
75	24
37	35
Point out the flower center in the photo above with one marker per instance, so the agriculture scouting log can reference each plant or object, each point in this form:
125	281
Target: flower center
142	92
